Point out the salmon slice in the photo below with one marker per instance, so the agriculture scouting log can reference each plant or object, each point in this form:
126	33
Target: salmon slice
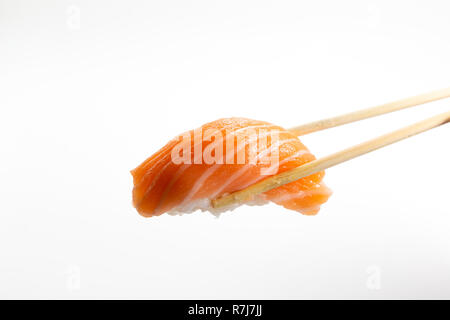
222	157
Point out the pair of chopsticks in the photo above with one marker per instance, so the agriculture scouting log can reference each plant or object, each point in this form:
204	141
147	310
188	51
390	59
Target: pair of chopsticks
346	154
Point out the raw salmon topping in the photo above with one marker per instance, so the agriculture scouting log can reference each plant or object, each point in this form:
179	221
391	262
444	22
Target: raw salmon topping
221	157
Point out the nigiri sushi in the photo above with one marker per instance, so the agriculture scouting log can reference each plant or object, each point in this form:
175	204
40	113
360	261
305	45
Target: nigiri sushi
222	157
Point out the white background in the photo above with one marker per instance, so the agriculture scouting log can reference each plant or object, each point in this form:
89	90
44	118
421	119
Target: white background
89	89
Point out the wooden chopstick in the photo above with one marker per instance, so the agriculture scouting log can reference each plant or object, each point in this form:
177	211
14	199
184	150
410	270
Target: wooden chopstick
330	161
371	112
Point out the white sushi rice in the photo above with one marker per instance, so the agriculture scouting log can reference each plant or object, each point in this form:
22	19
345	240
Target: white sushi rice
205	205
